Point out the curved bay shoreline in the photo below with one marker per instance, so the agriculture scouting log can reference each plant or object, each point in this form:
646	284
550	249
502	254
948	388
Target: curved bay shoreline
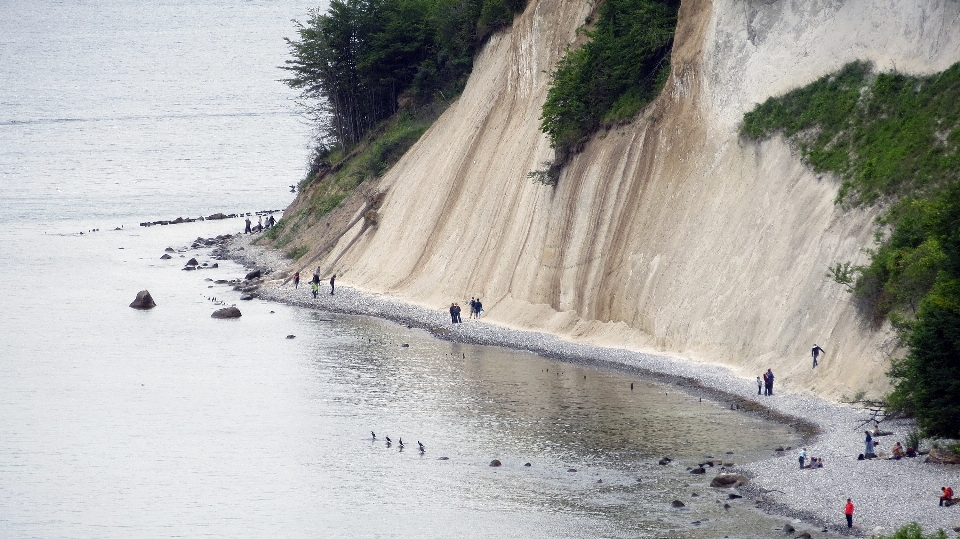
887	493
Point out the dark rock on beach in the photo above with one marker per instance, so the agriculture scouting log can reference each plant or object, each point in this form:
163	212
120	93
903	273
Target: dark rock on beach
144	301
253	275
226	312
170	250
698	471
166	257
677	504
727	480
192	262
247	296
494	462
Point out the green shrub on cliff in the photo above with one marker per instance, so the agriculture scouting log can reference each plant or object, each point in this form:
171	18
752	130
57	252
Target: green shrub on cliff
612	76
895	139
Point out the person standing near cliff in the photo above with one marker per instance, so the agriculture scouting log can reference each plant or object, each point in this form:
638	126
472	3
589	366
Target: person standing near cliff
479	307
768	378
759	385
332	280
247	230
296	280
453	313
815	352
848	511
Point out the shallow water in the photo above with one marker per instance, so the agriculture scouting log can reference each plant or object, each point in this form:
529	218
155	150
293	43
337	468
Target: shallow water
168	423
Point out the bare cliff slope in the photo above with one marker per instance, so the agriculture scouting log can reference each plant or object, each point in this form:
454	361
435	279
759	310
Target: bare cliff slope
670	233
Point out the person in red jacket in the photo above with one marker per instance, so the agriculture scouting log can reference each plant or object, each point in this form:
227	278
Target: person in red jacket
848	511
946	496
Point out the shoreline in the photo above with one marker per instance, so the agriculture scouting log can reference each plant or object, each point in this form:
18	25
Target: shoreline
887	494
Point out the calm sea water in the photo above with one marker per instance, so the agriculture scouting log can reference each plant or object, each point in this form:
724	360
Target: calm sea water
167	423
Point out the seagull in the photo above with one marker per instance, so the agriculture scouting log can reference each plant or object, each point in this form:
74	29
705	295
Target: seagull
422	449
388	440
401	442
373	434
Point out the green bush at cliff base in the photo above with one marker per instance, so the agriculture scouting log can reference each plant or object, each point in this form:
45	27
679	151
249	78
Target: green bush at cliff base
894	138
914	531
612	76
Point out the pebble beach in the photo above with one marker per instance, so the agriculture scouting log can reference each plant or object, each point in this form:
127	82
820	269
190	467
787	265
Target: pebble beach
886	493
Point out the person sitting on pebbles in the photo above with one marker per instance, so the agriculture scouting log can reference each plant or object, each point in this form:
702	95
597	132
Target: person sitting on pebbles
897	451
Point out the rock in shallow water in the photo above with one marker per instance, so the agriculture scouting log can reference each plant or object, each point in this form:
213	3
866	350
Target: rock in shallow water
144	301
226	312
727	480
494	462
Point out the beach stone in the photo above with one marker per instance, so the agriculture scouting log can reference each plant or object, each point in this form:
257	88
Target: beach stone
143	301
165	257
677	503
727	480
192	262
444	458
788	528
733	496
291	336
527	465
804	535
253	274
247	297
664	461
170	250
571	469
494	462
226	312
698	471
939	456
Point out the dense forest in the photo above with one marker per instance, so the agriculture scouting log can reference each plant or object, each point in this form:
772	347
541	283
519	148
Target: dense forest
894	139
356	64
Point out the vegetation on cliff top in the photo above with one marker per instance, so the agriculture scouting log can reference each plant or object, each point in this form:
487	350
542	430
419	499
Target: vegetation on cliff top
894	139
610	78
373	76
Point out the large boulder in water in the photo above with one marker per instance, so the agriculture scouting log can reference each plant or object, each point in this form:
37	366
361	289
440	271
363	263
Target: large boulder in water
226	312
144	301
192	262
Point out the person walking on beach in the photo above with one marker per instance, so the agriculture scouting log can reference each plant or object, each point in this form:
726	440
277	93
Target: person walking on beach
803	456
479	307
316	276
848	511
453	313
315	287
868	446
759	385
247	230
815	352
456	307
332	279
473	307
296	280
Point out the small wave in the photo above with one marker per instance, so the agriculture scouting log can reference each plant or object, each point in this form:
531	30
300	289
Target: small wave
141	117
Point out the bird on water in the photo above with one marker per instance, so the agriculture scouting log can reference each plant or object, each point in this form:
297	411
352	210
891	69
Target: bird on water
422	449
373	434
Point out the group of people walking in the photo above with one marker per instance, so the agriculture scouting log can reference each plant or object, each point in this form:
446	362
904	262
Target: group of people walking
315	282
476	307
765	385
261	224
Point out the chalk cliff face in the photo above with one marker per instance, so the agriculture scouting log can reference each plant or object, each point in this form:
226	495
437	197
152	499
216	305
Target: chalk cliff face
670	233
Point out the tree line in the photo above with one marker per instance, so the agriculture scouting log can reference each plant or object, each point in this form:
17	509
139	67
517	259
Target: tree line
358	62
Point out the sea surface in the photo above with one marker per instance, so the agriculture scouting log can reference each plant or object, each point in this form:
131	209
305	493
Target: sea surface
118	423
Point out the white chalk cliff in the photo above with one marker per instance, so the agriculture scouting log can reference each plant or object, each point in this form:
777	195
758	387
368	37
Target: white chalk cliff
669	234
